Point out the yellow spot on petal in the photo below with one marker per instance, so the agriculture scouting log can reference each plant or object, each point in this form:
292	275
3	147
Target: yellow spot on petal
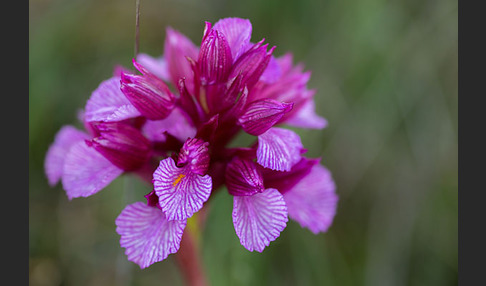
178	179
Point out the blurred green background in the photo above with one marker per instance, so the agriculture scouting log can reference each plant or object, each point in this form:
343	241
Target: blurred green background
386	80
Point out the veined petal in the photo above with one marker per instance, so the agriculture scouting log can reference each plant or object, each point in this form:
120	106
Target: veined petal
54	161
147	235
237	32
261	115
122	144
207	129
157	66
312	202
285	181
194	155
214	58
181	193
259	219
177	124
86	171
279	149
108	103
243	178
306	117
152	199
148	93
238	107
252	64
177	48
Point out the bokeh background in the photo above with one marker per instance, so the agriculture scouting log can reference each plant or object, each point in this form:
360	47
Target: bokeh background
386	80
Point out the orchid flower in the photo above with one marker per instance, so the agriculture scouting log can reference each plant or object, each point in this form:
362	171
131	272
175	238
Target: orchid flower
171	122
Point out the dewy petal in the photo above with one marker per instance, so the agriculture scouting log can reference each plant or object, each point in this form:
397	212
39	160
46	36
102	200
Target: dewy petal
243	178
306	117
237	32
86	171
259	219
279	149
313	202
108	103
157	66
54	161
261	115
177	124
147	235
181	193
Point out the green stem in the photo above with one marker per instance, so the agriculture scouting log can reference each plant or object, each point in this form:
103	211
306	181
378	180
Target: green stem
137	27
189	259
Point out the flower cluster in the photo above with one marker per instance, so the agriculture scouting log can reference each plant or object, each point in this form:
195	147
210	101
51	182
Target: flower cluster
172	122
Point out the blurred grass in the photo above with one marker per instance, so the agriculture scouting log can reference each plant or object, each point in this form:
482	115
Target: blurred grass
386	80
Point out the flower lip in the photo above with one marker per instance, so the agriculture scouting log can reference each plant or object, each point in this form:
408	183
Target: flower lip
259	219
147	235
181	192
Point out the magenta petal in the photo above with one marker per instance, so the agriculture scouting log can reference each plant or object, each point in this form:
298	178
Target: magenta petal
312	202
147	235
273	71
178	124
252	64
122	144
259	219
108	103
237	32
86	171
54	161
285	181
279	149
261	115
157	66
177	48
181	193
243	178
214	59
306	117
148	93
194	155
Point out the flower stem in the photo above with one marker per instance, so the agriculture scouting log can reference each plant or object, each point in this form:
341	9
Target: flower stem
189	260
137	27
